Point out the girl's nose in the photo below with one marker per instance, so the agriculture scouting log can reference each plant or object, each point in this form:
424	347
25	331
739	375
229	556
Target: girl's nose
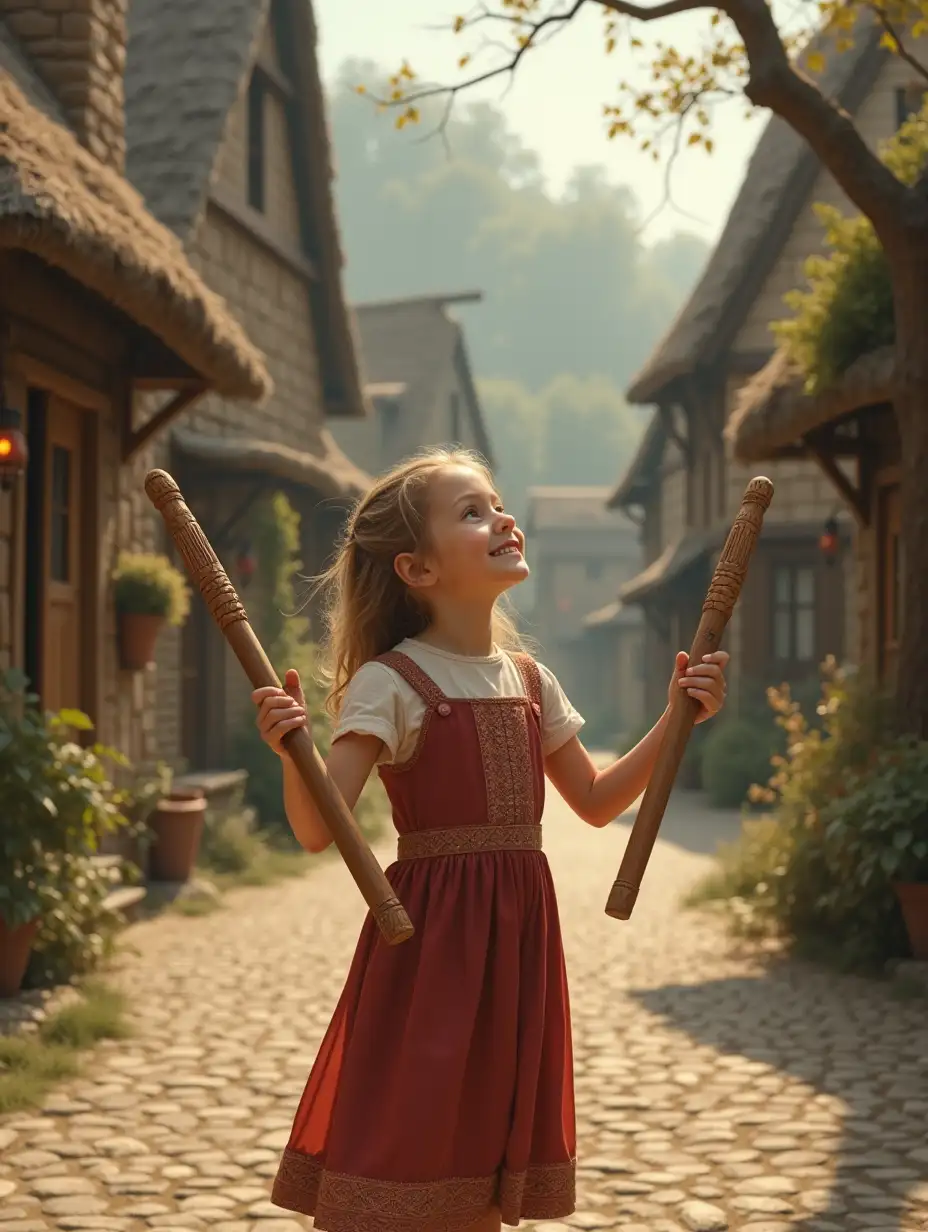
505	524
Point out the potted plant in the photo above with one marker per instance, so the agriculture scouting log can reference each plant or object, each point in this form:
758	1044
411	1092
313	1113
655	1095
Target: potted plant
57	798
148	593
176	825
877	835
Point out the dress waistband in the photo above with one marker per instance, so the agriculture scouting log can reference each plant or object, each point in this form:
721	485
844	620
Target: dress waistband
466	840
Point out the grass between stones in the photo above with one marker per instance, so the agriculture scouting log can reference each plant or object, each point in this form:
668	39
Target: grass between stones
31	1064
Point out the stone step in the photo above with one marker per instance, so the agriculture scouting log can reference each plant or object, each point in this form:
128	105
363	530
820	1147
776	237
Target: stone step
126	901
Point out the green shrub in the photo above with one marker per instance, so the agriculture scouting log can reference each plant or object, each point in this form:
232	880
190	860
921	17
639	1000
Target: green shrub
846	310
58	800
736	755
149	585
847	811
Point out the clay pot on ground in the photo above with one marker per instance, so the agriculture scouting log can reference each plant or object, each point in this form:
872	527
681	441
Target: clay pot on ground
15	948
177	826
913	899
138	636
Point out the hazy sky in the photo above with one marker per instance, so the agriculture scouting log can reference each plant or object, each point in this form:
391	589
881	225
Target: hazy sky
556	101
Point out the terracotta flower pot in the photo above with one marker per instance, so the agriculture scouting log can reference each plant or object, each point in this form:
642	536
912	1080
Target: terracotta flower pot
138	636
913	899
15	948
178	828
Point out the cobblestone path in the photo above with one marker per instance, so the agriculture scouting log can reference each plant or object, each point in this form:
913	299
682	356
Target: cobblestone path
711	1094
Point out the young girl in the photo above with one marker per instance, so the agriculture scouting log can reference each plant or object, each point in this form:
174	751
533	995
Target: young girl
442	1095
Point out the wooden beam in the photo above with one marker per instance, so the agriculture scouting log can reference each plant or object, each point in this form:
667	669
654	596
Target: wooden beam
135	438
154	384
853	496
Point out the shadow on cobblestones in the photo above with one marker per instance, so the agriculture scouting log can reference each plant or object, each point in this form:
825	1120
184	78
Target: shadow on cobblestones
836	1110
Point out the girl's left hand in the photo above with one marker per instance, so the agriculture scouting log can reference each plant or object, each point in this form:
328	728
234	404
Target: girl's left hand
705	682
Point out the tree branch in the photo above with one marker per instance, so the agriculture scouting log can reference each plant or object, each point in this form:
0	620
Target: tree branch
828	129
668	9
901	52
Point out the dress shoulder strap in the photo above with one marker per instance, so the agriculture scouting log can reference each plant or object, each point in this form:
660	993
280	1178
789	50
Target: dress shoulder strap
531	676
414	676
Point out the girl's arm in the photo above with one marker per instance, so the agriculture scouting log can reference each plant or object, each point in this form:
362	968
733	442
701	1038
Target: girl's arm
599	796
350	762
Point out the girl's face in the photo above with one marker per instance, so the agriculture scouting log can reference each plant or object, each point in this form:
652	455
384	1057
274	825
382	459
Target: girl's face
475	550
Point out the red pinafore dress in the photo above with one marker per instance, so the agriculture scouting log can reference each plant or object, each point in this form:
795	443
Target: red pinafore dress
444	1084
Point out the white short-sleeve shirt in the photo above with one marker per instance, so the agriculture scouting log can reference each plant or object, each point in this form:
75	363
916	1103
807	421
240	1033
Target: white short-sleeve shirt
379	702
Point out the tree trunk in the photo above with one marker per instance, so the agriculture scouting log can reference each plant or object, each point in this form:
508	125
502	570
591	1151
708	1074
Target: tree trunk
910	291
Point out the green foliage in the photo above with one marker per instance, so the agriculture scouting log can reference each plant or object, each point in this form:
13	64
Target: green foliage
148	585
58	800
846	310
735	756
850	816
30	1065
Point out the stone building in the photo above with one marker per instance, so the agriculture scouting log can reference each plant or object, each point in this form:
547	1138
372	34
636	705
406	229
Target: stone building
228	144
581	554
419	381
100	309
686	482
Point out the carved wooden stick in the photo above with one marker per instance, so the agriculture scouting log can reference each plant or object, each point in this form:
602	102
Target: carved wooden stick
228	612
721	598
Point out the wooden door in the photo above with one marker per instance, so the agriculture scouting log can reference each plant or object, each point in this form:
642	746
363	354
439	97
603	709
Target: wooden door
891	572
61	654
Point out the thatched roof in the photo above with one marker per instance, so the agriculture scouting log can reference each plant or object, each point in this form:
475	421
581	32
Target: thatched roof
188	62
634	484
779	180
59	203
573	508
328	471
774	411
676	559
414	343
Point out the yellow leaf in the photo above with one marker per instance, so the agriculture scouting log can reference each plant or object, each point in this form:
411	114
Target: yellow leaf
412	115
693	139
636	42
610	45
815	62
464	61
889	42
401	121
360	89
458	25
709	144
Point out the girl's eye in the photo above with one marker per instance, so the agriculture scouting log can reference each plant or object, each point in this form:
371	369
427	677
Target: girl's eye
472	512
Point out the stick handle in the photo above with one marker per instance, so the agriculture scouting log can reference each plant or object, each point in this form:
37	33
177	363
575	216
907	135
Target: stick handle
226	609
721	598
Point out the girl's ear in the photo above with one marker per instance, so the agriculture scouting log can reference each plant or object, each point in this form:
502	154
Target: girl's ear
413	571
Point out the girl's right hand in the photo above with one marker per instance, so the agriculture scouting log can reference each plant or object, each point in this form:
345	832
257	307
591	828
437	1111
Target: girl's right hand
280	710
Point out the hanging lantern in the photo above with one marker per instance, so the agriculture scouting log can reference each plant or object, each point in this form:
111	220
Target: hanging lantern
245	564
14	453
828	541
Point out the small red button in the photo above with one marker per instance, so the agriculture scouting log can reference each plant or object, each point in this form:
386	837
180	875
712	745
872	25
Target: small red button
536	708
444	709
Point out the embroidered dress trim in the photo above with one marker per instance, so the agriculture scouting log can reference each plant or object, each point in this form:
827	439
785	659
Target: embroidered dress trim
467	840
342	1203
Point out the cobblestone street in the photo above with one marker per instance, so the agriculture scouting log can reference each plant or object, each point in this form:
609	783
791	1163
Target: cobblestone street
711	1095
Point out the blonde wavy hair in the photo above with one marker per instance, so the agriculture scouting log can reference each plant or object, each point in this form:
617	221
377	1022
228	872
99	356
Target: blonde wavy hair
367	608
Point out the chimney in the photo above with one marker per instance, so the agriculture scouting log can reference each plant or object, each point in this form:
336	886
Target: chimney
78	48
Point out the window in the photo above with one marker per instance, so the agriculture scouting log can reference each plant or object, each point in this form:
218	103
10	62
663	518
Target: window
794	614
256	161
60	515
909	101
